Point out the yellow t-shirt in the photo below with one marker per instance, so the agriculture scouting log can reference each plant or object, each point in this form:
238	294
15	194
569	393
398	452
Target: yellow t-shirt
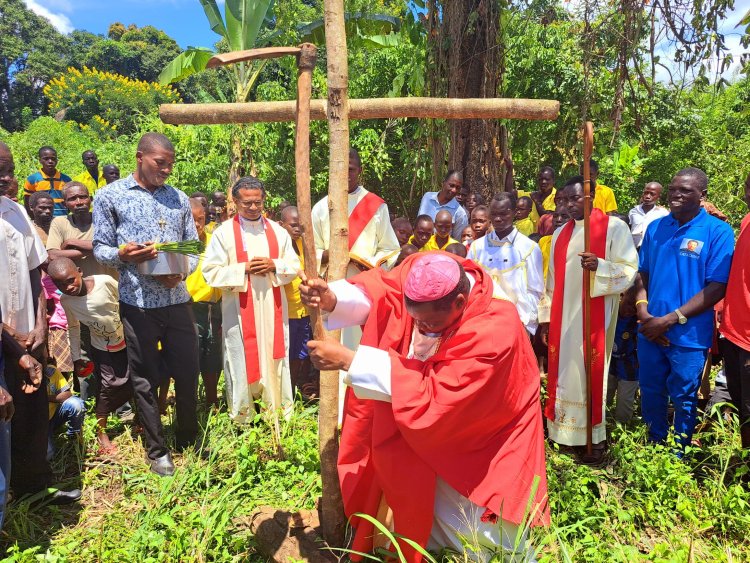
433	245
56	383
88	180
525	226
196	284
548	204
545	245
604	198
293	299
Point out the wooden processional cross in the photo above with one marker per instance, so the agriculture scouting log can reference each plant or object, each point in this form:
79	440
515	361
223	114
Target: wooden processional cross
337	109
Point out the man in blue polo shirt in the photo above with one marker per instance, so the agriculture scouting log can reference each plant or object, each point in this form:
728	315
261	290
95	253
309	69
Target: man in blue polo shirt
684	268
432	202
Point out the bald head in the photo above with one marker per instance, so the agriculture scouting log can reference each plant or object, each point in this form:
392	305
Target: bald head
197	203
73	185
4	150
66	276
111	173
406	251
289	214
151	142
60	268
456	248
289	219
443	215
443	224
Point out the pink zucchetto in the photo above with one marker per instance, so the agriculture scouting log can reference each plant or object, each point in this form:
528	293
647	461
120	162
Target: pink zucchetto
431	277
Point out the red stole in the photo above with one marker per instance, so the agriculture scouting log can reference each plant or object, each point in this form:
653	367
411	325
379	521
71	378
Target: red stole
469	414
362	214
247	309
599	223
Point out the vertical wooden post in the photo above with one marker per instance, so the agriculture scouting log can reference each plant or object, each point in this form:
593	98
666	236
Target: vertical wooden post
305	66
588	148
332	519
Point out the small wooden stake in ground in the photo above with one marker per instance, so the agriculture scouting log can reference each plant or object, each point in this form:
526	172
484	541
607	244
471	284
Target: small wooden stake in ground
333	523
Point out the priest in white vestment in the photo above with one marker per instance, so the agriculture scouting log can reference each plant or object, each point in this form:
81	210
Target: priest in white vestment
612	265
249	258
371	236
512	259
372	239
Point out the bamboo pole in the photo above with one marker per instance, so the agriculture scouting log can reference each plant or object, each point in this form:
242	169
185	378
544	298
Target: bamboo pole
332	520
588	148
375	108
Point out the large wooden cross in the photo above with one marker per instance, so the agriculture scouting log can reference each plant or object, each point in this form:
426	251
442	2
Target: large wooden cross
337	109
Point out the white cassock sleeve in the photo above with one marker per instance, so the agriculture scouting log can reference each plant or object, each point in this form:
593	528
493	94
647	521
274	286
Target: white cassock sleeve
287	264
352	306
545	304
387	243
217	271
321	228
614	276
531	299
369	376
370	372
535	274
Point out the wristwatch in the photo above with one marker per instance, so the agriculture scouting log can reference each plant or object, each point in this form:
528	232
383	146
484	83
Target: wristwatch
682	319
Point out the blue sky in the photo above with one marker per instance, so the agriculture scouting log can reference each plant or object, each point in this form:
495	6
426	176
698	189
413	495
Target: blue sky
185	21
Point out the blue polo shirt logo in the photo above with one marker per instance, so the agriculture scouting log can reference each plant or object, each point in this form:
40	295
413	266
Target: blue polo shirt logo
691	248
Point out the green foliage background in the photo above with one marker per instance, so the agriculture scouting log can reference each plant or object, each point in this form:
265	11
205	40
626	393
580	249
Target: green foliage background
660	132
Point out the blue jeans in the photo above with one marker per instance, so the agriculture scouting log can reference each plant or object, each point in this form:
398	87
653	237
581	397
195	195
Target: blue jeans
669	372
70	413
4	458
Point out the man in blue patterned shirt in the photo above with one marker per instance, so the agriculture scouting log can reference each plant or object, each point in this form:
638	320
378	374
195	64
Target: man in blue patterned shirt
129	216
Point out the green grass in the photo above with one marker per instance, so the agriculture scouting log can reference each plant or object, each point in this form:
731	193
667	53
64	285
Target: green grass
644	505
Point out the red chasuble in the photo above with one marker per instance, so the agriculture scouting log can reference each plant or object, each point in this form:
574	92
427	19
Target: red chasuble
362	214
469	414
247	309
599	224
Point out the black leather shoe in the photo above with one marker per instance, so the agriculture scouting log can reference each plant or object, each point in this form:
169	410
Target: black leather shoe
162	466
64	497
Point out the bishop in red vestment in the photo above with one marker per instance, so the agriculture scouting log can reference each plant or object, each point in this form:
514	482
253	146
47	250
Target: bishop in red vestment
442	423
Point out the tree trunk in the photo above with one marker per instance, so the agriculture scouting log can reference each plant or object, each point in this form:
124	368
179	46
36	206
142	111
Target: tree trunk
333	523
466	57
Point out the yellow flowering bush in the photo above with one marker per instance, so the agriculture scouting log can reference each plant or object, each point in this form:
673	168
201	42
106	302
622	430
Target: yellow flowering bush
105	102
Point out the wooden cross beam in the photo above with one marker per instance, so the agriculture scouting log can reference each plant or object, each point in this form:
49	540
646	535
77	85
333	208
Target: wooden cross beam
371	108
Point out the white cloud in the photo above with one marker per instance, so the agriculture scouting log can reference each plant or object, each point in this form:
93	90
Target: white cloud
53	13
